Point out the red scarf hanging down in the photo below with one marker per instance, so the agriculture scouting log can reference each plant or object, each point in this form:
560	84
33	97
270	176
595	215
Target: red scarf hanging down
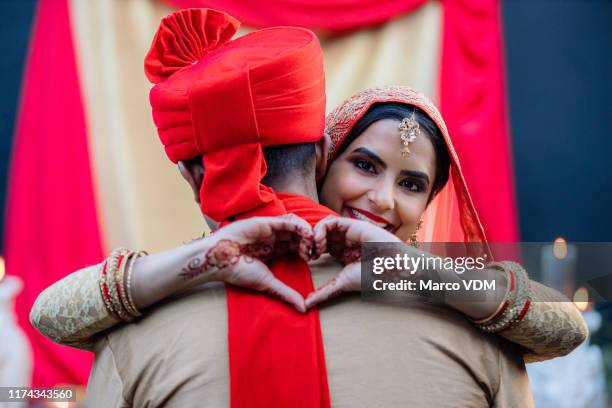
276	354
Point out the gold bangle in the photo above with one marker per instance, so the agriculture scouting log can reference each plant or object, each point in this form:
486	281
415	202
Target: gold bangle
524	288
130	305
111	281
120	282
104	289
119	286
517	300
111	264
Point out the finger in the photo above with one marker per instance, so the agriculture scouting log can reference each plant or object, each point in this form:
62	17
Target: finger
336	249
291	242
292	223
284	235
352	254
297	233
305	250
321	231
272	227
332	229
311	252
332	288
302	240
285	293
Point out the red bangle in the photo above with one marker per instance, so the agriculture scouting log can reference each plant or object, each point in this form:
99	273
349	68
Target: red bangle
105	293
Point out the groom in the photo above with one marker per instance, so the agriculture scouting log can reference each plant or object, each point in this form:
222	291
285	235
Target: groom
253	108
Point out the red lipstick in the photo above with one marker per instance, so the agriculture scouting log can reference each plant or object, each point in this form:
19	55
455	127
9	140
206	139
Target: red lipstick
371	216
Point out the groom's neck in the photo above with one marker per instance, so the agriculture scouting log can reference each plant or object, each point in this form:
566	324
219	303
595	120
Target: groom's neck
298	184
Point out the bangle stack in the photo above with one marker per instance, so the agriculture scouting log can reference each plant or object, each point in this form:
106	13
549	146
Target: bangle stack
516	302
115	284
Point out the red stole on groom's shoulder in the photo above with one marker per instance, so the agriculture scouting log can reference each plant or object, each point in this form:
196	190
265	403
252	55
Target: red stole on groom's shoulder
276	354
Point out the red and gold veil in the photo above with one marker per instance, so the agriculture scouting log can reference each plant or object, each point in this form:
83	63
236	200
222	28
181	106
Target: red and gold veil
451	216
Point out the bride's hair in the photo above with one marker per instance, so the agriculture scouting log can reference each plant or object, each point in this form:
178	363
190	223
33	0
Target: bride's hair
399	111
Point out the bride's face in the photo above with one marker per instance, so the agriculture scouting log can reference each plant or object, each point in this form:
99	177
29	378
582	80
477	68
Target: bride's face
372	181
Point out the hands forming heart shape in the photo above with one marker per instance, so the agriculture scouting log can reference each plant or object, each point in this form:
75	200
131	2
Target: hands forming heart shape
243	247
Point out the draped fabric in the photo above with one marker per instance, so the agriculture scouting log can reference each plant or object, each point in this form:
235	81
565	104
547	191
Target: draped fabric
112	38
275	353
473	103
328	15
141	201
51	226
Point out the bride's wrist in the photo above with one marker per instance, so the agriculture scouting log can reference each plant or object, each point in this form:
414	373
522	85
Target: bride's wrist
478	305
217	255
197	267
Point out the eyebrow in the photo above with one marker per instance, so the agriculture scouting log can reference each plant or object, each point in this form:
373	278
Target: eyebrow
415	174
375	158
371	155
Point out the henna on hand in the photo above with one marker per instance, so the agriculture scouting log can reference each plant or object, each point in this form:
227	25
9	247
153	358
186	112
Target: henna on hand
223	254
351	254
257	250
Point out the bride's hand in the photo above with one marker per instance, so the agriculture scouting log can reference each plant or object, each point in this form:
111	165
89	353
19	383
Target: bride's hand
242	247
342	238
266	238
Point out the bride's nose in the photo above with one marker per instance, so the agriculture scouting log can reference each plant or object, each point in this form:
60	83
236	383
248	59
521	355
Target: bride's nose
381	196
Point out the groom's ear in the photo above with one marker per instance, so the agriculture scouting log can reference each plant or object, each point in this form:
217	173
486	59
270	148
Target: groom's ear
322	149
193	173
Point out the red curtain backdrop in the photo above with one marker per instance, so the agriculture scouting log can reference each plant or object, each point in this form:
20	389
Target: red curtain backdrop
325	15
473	103
51	227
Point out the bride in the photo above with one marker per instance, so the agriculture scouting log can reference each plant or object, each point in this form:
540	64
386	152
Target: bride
393	174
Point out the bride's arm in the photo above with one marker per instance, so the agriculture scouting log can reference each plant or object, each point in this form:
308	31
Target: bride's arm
72	311
551	326
547	326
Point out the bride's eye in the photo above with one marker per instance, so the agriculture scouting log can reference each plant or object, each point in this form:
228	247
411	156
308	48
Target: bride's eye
364	165
412	186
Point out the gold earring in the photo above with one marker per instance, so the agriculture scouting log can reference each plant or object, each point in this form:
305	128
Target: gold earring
413	238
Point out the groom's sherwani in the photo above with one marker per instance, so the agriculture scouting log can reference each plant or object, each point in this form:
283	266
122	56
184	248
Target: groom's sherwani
376	355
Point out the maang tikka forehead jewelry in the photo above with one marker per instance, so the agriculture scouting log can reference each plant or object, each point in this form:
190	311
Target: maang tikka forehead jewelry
409	130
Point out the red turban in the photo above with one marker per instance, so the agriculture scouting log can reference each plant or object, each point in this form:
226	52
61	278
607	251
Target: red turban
225	99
